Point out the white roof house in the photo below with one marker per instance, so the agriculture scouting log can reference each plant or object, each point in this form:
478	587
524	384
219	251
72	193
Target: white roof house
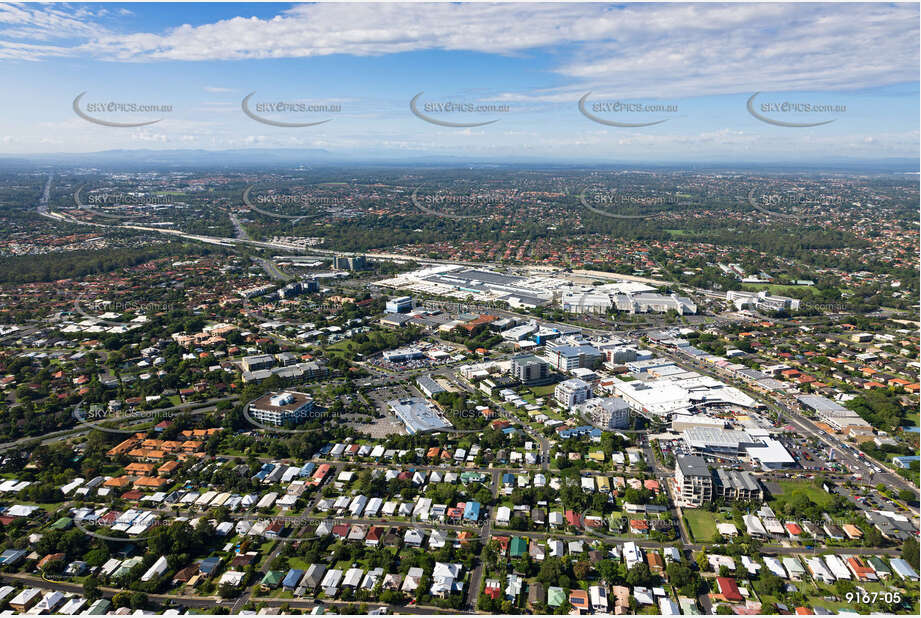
667	607
818	570
445	578
503	515
412	579
775	566
357	506
598	597
837	567
374	506
794	567
903	569
353	577
632	554
331	581
157	569
753	526
50	601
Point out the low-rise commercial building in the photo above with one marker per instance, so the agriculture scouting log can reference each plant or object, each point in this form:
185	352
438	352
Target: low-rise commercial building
418	416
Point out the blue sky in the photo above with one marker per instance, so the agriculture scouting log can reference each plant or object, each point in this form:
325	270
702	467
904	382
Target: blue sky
704	60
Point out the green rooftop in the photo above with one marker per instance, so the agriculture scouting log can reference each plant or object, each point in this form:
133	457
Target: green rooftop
272	579
518	547
555	596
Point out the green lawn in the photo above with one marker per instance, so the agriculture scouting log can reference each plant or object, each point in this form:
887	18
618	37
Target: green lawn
543	391
810	489
777	288
701	524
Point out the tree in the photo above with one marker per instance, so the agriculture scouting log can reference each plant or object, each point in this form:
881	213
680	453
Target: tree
91	588
581	569
702	563
138	600
910	550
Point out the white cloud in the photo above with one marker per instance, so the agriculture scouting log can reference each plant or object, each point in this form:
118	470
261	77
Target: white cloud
649	49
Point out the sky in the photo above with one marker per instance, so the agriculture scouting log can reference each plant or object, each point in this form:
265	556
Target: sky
685	73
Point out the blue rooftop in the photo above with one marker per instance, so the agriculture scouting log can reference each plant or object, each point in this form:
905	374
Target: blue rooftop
292	578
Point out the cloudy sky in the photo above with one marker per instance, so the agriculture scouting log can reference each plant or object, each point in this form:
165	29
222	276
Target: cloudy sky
680	76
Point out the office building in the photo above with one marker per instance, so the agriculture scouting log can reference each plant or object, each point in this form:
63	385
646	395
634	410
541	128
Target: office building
762	301
530	370
401	304
257	362
285	408
565	357
342	262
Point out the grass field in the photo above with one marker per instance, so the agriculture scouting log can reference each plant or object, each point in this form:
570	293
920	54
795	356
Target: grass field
812	490
777	288
543	391
701	524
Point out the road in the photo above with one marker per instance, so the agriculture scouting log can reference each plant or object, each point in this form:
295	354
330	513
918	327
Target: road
46	197
272	270
192	408
242	234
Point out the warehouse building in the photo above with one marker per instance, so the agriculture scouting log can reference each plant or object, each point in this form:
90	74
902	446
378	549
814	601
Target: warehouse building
429	386
724	442
418	416
831	413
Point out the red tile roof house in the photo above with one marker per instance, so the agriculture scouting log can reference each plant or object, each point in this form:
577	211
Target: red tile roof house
573	519
639	526
728	589
860	569
374	535
579	600
793	530
109	518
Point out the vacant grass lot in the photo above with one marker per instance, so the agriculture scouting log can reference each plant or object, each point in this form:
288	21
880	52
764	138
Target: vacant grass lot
701	524
810	489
